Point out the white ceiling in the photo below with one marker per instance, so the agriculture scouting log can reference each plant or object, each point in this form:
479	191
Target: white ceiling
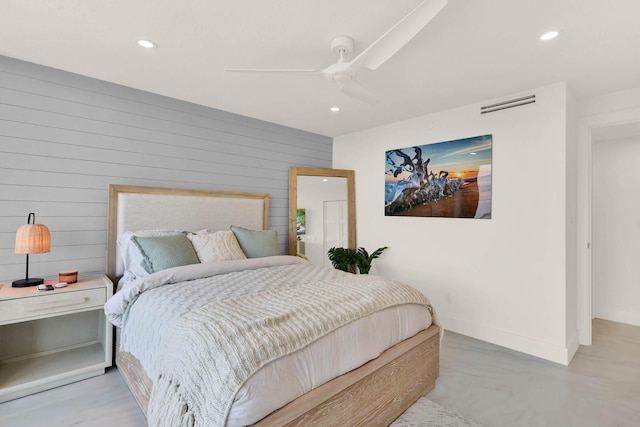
472	51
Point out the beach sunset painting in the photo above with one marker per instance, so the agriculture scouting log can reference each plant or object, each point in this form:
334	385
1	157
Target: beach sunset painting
446	179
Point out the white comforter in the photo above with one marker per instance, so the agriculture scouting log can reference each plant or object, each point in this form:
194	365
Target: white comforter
116	307
196	286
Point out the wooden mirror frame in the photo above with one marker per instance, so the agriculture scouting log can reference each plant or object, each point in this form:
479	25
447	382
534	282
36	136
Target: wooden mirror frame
294	173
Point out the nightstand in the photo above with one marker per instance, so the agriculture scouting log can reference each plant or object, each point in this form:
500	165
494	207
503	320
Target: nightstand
51	338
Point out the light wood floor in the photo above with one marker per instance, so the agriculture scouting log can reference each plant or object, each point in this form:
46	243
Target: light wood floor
499	387
487	383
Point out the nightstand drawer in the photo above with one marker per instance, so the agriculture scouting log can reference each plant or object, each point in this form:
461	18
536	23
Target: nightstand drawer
44	305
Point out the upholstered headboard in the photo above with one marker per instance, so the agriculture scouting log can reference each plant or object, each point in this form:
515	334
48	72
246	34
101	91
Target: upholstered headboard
133	208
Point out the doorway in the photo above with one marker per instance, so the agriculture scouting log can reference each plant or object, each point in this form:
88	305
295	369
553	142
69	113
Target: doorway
615	233
593	130
336	224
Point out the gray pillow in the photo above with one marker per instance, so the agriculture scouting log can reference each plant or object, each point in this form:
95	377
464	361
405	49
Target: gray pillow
257	244
162	252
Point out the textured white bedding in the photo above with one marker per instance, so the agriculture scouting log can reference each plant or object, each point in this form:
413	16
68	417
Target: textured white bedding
280	381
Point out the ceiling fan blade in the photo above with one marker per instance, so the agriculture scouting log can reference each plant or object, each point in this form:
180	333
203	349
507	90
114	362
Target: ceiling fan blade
275	70
359	92
397	36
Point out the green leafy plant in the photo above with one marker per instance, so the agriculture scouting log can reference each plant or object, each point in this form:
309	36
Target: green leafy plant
364	260
353	261
343	259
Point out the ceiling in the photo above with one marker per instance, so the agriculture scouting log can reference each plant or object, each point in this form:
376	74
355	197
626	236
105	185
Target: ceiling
472	51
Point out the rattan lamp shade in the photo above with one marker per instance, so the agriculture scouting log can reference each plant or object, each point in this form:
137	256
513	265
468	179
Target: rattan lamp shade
31	238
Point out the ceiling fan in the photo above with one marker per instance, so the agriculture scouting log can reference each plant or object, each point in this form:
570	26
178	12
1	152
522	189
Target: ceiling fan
344	73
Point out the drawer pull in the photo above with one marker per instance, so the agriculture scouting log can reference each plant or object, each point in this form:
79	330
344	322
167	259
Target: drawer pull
48	305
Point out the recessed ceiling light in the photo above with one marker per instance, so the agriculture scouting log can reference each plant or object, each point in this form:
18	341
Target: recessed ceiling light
324	180
550	35
148	44
334	109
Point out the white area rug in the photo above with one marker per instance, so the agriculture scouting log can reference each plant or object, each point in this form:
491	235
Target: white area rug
425	413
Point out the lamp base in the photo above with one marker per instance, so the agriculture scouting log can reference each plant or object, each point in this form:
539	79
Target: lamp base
23	283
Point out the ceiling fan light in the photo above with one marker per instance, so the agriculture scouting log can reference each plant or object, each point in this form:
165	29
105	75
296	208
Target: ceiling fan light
341	78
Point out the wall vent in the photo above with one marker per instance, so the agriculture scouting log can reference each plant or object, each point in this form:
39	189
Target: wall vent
512	103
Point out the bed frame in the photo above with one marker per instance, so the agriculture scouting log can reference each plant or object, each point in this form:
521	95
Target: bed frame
374	394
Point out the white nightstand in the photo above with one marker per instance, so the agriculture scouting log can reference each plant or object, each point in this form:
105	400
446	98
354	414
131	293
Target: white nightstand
51	338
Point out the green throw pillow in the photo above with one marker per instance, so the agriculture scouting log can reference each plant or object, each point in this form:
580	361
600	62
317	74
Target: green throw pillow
257	244
162	252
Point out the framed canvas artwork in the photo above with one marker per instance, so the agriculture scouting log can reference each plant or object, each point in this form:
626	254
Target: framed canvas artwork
301	221
449	179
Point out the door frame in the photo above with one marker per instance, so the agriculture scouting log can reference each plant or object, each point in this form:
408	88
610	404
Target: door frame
586	126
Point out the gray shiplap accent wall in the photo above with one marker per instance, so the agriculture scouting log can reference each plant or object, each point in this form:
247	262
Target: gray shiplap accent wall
64	138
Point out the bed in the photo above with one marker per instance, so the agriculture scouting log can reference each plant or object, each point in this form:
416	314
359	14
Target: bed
373	393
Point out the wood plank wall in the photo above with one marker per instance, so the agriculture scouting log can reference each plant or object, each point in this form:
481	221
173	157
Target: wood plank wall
64	138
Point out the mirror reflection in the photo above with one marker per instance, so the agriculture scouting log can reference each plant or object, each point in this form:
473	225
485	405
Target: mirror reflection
321	212
322	219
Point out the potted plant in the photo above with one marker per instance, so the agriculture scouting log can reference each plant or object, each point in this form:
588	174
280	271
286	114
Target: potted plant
352	260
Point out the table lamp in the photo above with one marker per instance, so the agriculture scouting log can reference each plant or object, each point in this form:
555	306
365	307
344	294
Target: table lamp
31	238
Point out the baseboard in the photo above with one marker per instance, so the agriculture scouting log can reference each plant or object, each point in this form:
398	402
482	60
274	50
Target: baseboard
620	316
533	347
572	347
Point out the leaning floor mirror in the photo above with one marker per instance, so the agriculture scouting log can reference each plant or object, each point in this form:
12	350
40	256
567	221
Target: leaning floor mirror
321	212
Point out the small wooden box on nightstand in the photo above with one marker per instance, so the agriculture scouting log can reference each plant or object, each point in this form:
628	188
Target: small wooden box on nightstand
51	338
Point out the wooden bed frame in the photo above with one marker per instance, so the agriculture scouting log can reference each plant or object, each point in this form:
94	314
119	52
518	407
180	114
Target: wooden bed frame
374	394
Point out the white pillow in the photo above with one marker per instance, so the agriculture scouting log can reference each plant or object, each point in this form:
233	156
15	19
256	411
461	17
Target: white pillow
217	246
132	263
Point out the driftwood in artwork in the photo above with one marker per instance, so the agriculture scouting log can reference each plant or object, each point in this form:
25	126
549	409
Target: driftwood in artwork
422	185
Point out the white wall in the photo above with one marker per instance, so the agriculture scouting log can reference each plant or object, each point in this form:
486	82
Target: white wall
312	193
571	291
506	277
616	230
